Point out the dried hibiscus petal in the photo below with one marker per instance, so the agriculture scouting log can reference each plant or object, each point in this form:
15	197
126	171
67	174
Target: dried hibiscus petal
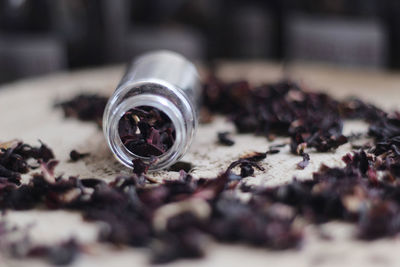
75	155
146	131
223	138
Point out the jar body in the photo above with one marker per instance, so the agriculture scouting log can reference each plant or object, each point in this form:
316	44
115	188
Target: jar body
163	80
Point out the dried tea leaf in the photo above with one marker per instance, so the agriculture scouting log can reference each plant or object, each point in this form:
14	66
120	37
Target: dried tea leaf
75	155
223	139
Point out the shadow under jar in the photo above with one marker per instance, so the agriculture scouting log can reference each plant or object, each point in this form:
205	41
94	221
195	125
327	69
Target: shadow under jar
153	113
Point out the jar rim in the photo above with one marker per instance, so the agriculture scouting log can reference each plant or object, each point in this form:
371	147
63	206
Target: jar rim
161	103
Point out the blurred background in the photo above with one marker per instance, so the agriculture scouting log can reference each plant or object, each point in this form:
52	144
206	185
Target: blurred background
42	36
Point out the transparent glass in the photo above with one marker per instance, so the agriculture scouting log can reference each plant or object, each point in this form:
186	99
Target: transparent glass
164	80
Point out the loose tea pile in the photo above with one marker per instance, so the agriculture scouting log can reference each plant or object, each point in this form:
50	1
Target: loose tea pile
311	119
14	156
85	107
16	242
146	131
175	217
178	214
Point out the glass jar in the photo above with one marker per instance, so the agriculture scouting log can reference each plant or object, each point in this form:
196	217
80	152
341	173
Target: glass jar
163	80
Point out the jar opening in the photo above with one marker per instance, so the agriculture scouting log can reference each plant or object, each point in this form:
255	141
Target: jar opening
172	113
146	131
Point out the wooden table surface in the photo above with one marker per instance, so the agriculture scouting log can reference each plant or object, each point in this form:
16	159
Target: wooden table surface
28	114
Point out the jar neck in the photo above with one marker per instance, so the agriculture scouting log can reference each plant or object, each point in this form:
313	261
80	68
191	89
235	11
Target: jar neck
161	103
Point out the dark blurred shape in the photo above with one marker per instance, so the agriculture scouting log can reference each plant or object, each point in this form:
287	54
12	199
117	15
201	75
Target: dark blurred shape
336	40
250	32
115	15
81	33
186	41
339	7
26	46
23	15
391	14
24	55
80	25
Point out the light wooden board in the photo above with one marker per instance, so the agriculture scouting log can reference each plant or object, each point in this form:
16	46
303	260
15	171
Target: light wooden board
28	114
